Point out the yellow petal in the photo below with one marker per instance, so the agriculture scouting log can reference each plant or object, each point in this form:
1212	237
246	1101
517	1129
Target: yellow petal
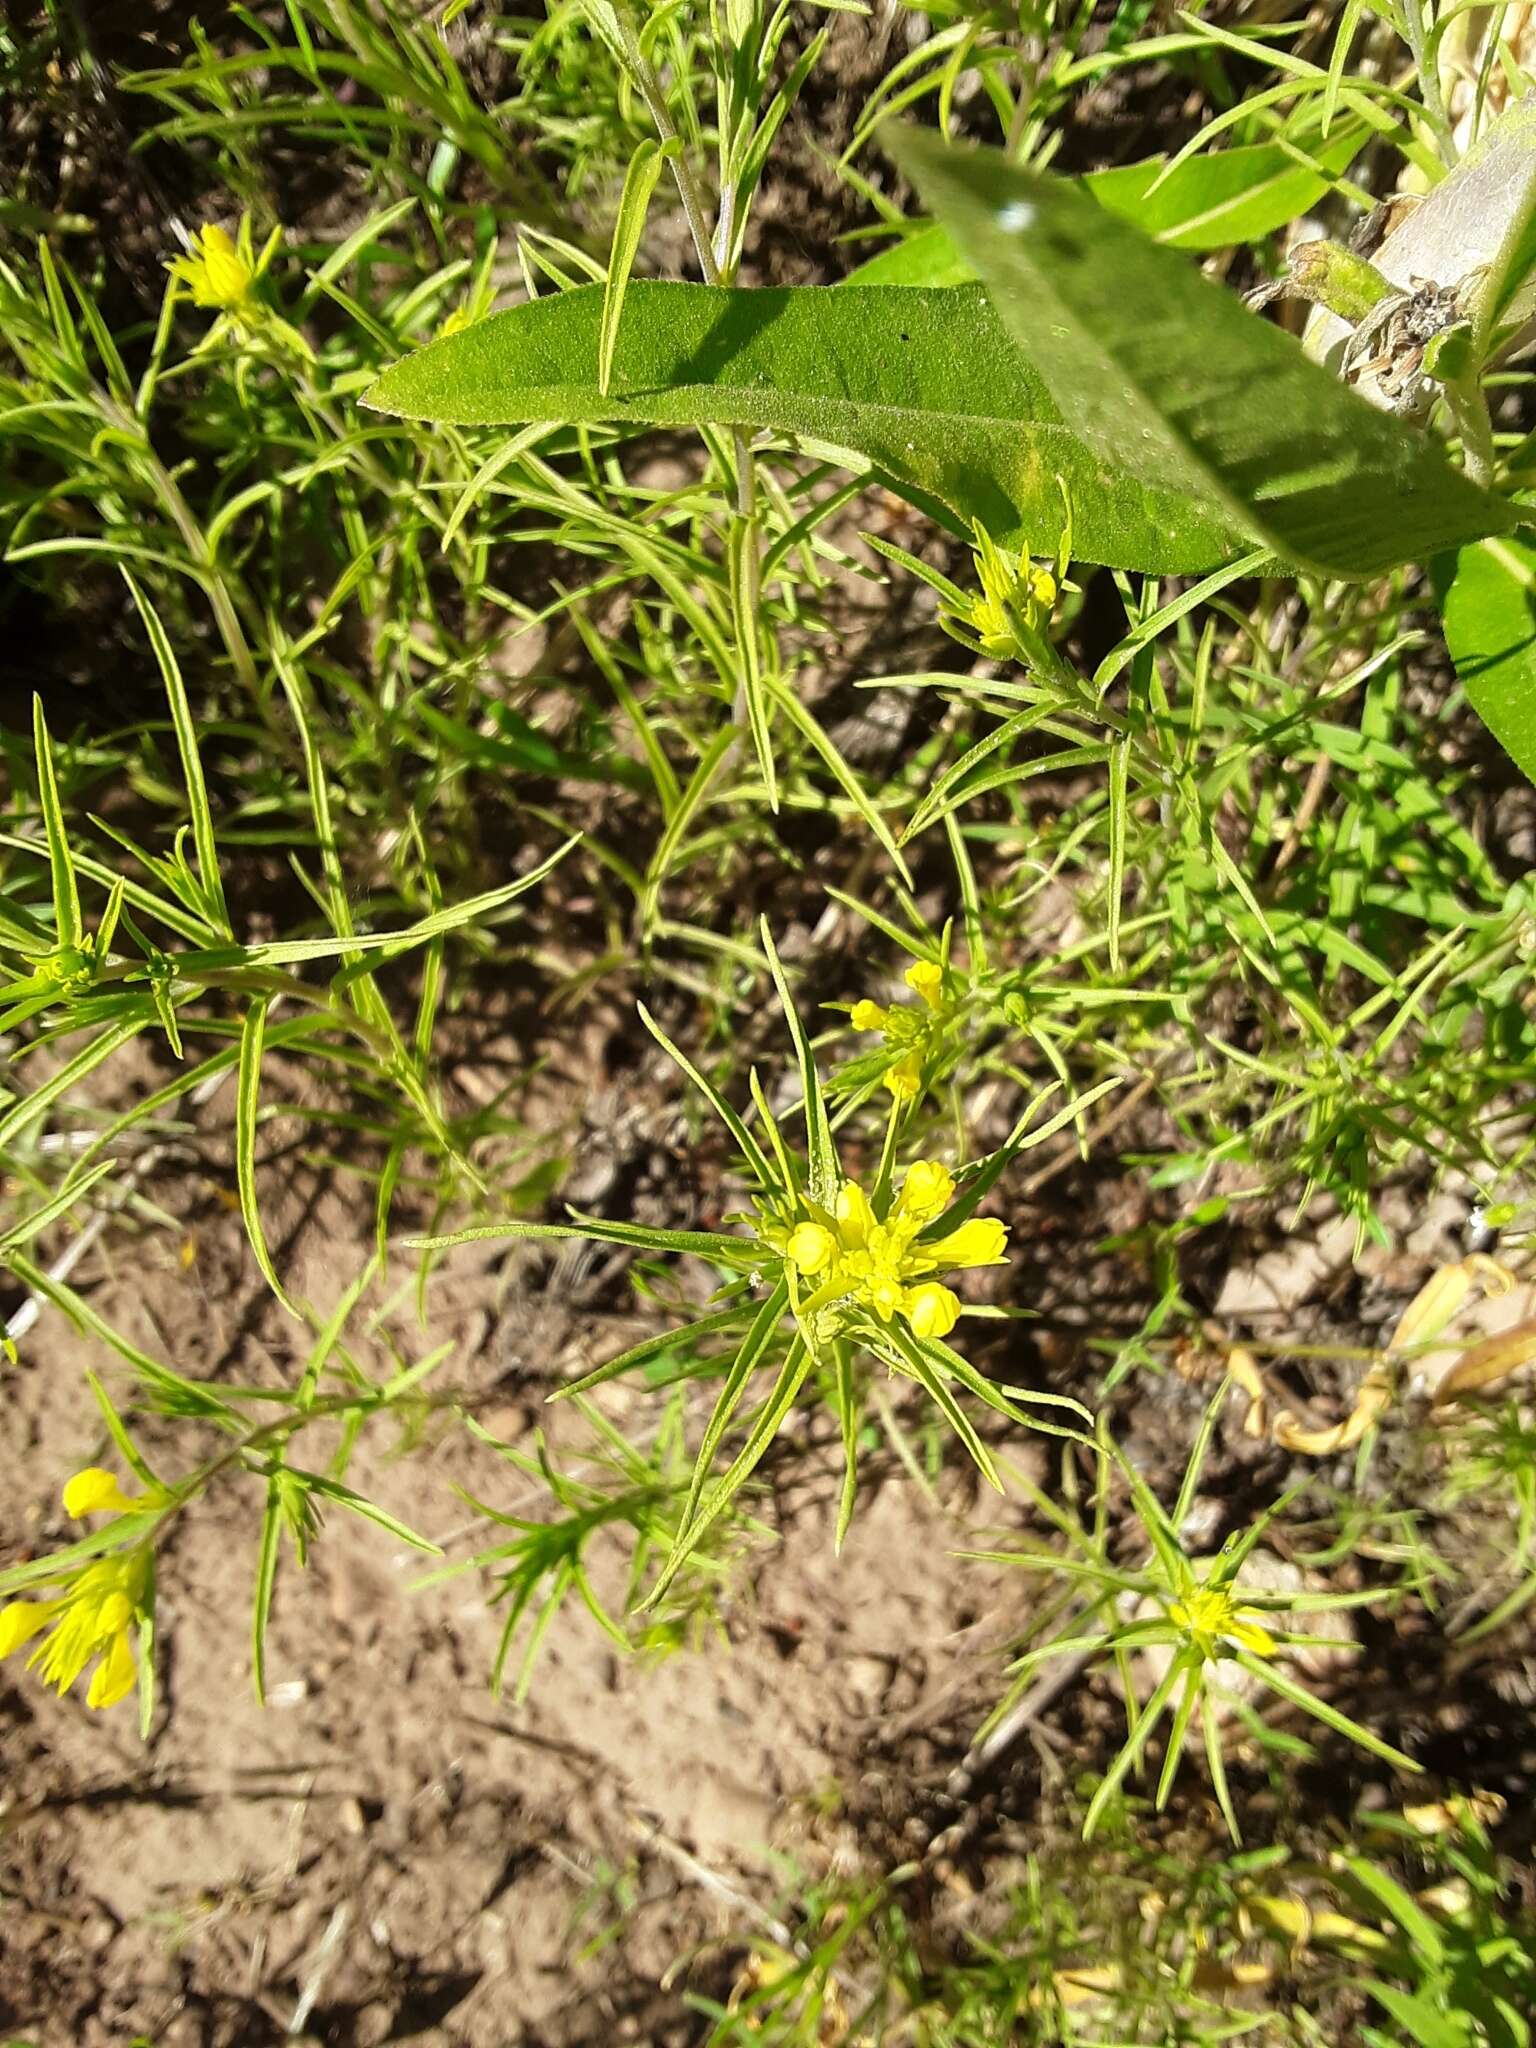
112	1680
114	1614
20	1622
927	1190
1245	1629
926	980
867	1016
855	1218
981	1242
932	1310
94	1492
811	1247
905	1079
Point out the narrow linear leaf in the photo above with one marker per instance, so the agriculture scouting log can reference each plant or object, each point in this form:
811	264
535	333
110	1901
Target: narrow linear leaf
343	1496
705	1244
247	1099
746	1362
650	1347
791	1378
203	836
820	1152
66	894
746	1143
645	167
266	1580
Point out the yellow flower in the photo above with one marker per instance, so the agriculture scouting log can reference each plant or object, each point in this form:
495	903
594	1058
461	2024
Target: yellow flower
882	1264
217	271
94	1618
95	1492
867	1016
927	1192
926	980
1211	1617
1014	603
905	1079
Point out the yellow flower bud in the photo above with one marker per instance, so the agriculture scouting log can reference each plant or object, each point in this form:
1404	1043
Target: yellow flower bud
932	1310
855	1218
905	1079
867	1016
926	980
811	1247
927	1190
95	1492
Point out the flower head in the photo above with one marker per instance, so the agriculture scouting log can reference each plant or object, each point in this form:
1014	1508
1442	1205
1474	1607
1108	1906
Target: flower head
218	271
1211	1617
1008	616
98	1609
854	1258
94	1618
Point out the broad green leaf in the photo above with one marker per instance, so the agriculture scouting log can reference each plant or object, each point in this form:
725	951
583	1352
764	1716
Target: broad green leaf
1222	197
1212	201
927	256
924	386
1489	611
1169	375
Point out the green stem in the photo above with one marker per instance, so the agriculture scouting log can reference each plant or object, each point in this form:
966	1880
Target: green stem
1429	80
710	260
1469	409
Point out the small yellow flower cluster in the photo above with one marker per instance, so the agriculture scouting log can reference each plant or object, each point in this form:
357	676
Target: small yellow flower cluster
849	1255
1016	599
906	1027
1212	1618
95	1616
217	271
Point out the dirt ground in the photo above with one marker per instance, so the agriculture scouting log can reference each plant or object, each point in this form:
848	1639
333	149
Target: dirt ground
386	1851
